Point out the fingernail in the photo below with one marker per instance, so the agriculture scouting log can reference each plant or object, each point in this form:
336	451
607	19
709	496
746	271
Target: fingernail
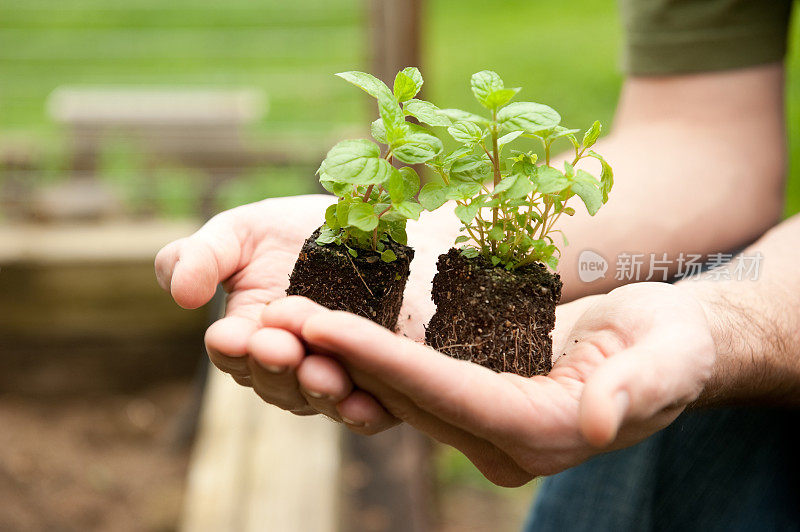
354	423
315	395
274	369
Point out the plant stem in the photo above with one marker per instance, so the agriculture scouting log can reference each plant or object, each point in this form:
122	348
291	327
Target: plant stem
375	231
496	167
544	217
547	153
368	193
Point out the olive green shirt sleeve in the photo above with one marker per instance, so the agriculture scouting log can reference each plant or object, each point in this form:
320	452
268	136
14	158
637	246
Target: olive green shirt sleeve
683	36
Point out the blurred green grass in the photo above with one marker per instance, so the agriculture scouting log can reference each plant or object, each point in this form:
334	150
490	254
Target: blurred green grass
563	55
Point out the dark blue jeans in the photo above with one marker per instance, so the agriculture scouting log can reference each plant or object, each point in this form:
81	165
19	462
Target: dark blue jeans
733	469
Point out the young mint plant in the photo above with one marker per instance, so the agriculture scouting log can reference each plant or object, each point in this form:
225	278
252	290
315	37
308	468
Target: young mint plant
376	191
511	221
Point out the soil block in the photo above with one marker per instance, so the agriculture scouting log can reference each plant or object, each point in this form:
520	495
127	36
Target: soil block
494	317
363	285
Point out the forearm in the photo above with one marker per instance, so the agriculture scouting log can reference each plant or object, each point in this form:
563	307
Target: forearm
756	324
699	165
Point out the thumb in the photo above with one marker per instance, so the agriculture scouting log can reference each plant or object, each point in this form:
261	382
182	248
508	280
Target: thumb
191	268
638	382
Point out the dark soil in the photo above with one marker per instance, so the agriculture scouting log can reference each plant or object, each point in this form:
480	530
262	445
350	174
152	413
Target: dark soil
364	285
100	462
493	317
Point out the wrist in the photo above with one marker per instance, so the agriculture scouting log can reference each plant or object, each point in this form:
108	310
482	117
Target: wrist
743	336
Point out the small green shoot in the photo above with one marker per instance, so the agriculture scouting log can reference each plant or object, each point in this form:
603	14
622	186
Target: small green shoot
375	187
509	204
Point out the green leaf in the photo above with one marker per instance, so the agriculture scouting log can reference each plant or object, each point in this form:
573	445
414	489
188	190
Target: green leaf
330	217
363	216
500	97
496	232
445	161
457	115
585	186
388	255
548	180
467	213
353	253
402	185
505	183
335	187
569	211
408	209
394	120
528	117
508	137
591	135
469	168
432	196
367	82
520	187
417	147
463	190
470	252
357	162
466	132
489	90
342	211
606	176
461	239
426	112
560	131
378	131
397	232
326	236
407	83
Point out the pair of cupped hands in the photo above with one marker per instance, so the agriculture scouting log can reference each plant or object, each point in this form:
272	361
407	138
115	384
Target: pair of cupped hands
627	364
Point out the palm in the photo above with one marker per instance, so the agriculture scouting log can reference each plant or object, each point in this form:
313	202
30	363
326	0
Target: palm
621	375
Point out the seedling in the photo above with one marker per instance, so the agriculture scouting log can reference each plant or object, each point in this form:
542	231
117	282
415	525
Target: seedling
376	199
358	260
495	298
511	221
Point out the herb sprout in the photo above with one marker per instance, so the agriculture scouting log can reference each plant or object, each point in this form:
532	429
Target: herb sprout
511	221
376	199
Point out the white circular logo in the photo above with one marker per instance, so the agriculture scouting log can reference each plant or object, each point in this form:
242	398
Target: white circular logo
591	266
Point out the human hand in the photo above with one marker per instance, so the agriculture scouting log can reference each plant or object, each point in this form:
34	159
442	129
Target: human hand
251	250
632	360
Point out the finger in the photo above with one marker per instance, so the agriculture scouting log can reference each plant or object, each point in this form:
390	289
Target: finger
363	414
165	262
463	394
492	462
639	383
192	267
226	344
324	383
274	356
290	313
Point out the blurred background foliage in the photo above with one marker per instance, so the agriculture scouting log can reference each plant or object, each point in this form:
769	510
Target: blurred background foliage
563	56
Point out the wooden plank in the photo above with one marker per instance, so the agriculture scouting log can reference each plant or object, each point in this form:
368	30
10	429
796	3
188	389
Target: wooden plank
395	36
76	242
387	482
257	468
154	106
